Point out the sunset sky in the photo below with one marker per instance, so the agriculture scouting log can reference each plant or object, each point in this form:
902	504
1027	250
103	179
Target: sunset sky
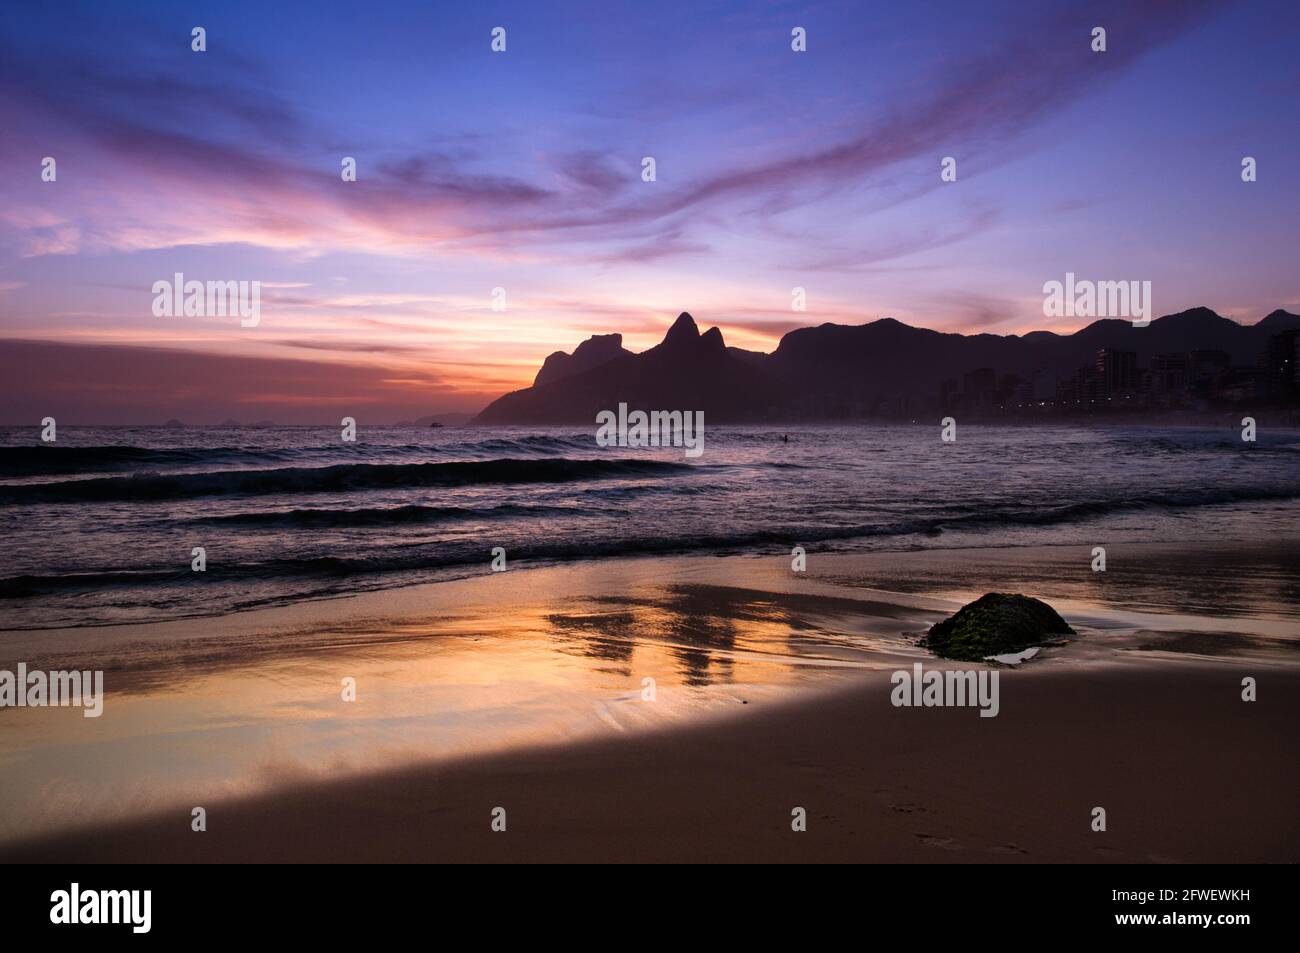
522	170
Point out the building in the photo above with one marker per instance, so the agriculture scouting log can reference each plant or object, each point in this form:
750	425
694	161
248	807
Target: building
978	386
1090	385
1239	384
1044	385
1010	390
1117	372
1167	375
1204	368
1281	368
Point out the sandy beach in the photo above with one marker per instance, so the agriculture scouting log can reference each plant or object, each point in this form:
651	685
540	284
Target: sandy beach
771	691
692	433
1186	771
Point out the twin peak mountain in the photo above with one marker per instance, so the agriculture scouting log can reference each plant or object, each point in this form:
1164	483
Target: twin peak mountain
881	368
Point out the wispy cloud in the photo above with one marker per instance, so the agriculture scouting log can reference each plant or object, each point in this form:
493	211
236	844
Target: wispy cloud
176	180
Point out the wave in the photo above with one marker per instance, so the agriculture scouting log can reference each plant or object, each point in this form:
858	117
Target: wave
1198	444
335	479
17	462
529	443
379	516
1085	510
414	561
55	460
27	586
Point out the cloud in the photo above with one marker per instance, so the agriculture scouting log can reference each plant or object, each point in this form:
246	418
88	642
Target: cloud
896	245
108	384
241	171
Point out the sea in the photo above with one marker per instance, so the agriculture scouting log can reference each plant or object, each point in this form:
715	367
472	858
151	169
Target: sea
103	526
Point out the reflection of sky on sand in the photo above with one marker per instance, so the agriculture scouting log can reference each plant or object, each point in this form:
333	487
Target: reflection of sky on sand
1233	586
197	711
206	720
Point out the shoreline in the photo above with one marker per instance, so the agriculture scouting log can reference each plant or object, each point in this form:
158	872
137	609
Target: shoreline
415	597
503	681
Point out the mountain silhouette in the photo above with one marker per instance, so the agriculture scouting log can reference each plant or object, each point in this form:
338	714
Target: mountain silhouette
685	371
1279	320
817	371
594	351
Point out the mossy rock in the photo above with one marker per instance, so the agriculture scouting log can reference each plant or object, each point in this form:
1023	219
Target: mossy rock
995	624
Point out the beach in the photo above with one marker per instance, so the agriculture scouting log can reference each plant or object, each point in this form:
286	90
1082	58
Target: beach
1182	781
688	433
769	690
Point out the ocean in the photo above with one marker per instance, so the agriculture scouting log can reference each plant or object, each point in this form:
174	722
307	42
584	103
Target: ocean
99	527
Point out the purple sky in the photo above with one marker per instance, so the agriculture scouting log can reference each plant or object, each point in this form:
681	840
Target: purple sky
521	170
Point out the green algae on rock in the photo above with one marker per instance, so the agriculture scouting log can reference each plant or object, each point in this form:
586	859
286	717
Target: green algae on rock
995	624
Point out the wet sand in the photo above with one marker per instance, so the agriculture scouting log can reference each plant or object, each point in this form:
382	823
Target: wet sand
1186	771
771	691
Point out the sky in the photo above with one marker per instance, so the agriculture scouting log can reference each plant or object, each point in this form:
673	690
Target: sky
522	170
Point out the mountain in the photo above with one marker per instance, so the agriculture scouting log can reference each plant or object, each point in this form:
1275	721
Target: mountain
593	352
832	369
1279	320
687	370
